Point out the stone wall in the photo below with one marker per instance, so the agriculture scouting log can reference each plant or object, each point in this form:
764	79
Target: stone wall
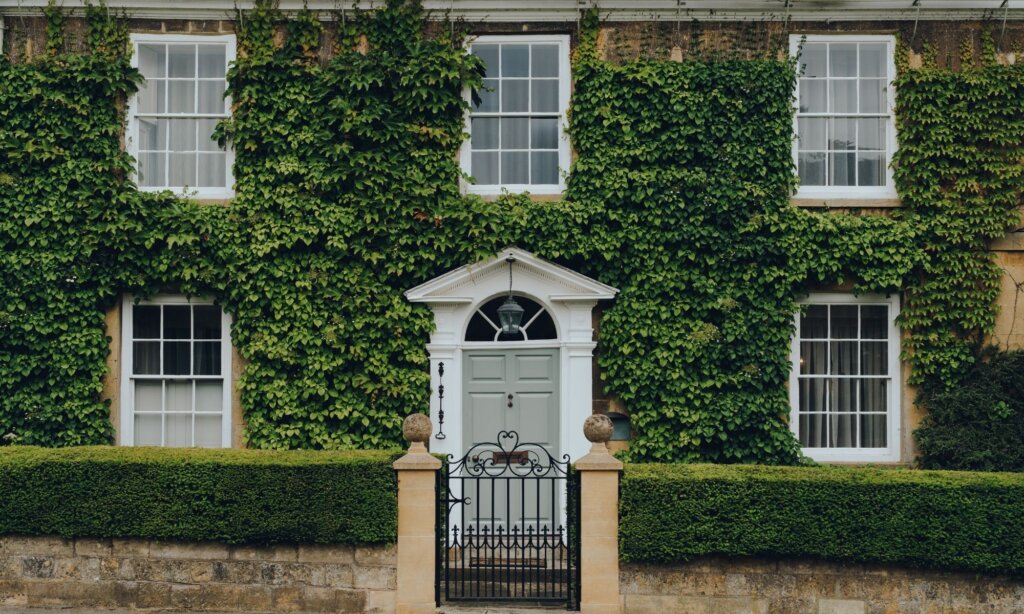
755	586
140	574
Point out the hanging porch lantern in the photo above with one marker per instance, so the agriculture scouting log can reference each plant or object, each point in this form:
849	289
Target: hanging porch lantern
510	314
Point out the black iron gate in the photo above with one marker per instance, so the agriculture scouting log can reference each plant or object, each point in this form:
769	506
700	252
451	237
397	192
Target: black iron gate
508	525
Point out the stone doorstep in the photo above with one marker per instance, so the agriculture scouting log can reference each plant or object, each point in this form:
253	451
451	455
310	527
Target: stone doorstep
483	608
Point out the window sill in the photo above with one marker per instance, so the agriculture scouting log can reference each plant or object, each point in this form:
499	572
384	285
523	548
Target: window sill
853	456
216	196
494	192
846	203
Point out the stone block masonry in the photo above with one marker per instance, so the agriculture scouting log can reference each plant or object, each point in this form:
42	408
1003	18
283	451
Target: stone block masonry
718	585
131	574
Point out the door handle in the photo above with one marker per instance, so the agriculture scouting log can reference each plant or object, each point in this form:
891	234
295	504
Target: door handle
510	399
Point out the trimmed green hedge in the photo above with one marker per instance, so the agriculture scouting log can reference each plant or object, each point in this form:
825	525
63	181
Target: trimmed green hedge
234	496
931	519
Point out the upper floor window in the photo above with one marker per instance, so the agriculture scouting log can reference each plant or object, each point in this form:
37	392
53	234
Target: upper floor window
844	386
176	365
172	118
517	140
844	117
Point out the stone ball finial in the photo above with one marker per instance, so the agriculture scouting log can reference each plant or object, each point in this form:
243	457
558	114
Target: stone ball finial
597	428
417	428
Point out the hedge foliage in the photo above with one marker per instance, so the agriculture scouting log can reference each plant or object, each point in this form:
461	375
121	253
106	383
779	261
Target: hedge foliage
234	496
930	519
979	425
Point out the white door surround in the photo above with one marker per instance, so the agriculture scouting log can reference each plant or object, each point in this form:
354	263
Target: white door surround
567	295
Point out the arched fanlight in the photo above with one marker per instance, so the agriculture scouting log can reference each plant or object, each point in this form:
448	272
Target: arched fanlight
510	314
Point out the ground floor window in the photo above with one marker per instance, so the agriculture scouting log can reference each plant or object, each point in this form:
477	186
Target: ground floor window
844	385
176	365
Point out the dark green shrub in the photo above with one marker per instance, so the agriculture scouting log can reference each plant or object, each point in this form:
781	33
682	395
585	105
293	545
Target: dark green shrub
930	519
978	425
232	496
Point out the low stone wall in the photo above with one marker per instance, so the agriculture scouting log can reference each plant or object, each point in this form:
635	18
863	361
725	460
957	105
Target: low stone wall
714	585
143	574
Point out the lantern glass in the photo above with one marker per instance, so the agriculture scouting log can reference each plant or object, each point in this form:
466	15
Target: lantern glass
510	314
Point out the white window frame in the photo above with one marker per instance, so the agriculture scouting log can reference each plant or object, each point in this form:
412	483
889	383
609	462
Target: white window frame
889	454
127	410
131	132
888	191
564	92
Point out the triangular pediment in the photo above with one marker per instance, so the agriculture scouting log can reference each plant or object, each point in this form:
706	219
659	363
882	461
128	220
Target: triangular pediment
463	285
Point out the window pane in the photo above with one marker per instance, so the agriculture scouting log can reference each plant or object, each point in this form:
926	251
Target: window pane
515	60
152	134
485	168
871	169
813	97
179	396
874	322
844	322
813	394
515	167
873	96
182	134
177	321
212	61
207	357
145	322
152	61
206	322
211	97
148	430
515	133
209	396
489	95
842	96
872	431
205	128
844	358
149	395
812	59
484	133
544	134
814	322
212	170
208	433
812	168
544	61
843	134
812	133
843	168
179	431
146	358
813	357
515	96
545	96
842	430
842	61
874	358
176	358
181	61
182	170
813	433
181	97
544	169
872	59
152	167
152	97
871	134
489	54
874	395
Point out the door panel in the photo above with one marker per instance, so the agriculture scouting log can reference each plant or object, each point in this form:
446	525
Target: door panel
531	378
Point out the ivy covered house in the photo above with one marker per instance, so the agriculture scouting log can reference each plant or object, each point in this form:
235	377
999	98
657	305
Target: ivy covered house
289	226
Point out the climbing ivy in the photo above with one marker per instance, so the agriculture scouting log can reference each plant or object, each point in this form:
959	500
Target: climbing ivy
348	193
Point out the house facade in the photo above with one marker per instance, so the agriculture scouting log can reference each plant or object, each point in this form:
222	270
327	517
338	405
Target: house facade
174	378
